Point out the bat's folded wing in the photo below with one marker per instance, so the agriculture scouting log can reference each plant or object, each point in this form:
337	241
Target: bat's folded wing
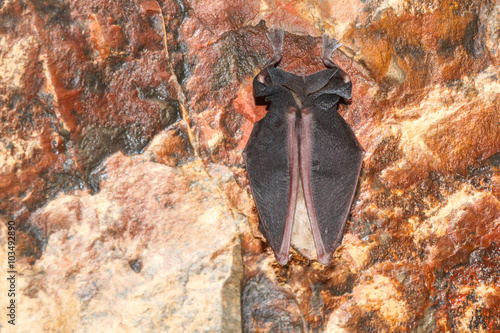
331	159
272	169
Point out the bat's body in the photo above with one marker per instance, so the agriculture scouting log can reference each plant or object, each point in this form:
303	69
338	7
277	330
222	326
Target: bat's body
302	140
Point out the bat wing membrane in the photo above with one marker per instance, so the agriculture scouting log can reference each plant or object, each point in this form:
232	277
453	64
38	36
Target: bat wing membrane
331	159
271	158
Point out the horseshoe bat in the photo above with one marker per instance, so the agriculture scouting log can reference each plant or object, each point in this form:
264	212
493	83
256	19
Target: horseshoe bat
303	146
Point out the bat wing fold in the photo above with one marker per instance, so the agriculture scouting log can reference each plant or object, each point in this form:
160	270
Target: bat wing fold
330	161
273	171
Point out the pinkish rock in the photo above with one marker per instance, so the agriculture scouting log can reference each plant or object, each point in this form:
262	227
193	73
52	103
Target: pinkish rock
156	248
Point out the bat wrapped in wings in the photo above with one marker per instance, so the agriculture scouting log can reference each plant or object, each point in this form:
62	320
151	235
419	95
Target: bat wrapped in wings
303	148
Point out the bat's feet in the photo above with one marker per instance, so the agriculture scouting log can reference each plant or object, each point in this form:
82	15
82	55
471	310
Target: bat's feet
275	36
329	46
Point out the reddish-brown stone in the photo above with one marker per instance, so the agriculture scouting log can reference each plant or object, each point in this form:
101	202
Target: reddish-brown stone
171	147
93	81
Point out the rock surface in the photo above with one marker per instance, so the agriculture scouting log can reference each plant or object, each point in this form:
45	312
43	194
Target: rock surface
157	247
120	162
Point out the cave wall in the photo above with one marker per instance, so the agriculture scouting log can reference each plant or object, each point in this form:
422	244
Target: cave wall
123	124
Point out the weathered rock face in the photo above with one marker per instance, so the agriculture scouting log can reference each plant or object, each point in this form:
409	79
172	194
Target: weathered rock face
121	137
139	253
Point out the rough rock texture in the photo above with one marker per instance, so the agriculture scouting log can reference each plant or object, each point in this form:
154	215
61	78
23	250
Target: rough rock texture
136	254
122	129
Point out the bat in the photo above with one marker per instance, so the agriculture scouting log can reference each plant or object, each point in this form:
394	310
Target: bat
303	148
